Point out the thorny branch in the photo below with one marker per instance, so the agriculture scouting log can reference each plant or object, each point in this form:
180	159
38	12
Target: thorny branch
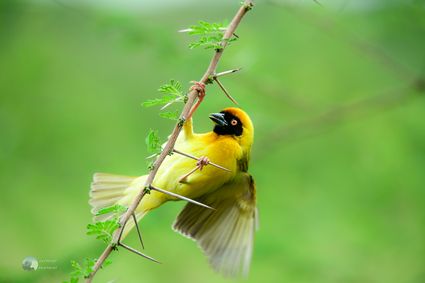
192	96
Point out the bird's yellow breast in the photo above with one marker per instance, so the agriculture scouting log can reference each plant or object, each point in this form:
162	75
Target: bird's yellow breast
222	150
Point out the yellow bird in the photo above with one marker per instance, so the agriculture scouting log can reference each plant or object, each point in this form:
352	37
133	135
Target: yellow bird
225	234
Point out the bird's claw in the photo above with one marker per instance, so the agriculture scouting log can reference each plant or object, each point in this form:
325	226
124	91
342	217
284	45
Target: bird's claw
200	88
202	161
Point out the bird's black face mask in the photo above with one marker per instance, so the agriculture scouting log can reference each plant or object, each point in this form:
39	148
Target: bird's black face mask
226	124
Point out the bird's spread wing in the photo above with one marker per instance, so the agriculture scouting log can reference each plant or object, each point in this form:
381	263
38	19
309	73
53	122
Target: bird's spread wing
226	234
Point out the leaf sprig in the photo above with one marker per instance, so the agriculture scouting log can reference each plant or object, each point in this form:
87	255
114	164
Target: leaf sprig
153	142
173	88
103	230
210	35
83	270
172	115
117	209
172	92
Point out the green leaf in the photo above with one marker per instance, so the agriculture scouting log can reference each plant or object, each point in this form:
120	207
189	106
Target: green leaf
83	270
153	142
77	270
106	263
172	115
159	101
172	92
118	209
210	35
173	88
88	266
204	28
76	273
103	230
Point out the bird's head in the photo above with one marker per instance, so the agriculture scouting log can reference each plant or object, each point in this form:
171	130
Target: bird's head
236	123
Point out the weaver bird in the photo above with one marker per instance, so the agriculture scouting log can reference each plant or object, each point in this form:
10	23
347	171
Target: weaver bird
225	234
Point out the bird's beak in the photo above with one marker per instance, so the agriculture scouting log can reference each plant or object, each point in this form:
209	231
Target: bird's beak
218	118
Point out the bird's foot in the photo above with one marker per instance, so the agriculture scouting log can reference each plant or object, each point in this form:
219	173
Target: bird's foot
200	164
200	88
202	161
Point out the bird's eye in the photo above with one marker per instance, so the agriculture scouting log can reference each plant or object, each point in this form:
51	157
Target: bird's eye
234	122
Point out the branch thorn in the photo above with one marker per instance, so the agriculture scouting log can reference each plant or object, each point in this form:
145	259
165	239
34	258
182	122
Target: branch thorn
138	230
181	197
225	91
137	252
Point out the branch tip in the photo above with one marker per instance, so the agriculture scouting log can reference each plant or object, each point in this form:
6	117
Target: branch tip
248	5
217	75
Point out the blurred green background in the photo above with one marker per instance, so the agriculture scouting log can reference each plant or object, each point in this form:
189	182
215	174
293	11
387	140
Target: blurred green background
335	94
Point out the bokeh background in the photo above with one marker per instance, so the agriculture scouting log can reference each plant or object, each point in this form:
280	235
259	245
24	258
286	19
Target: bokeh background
336	95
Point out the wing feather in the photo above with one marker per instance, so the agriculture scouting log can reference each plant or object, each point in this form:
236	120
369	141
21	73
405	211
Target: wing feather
226	235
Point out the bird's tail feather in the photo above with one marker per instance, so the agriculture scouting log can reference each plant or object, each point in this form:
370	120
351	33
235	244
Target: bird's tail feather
107	190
